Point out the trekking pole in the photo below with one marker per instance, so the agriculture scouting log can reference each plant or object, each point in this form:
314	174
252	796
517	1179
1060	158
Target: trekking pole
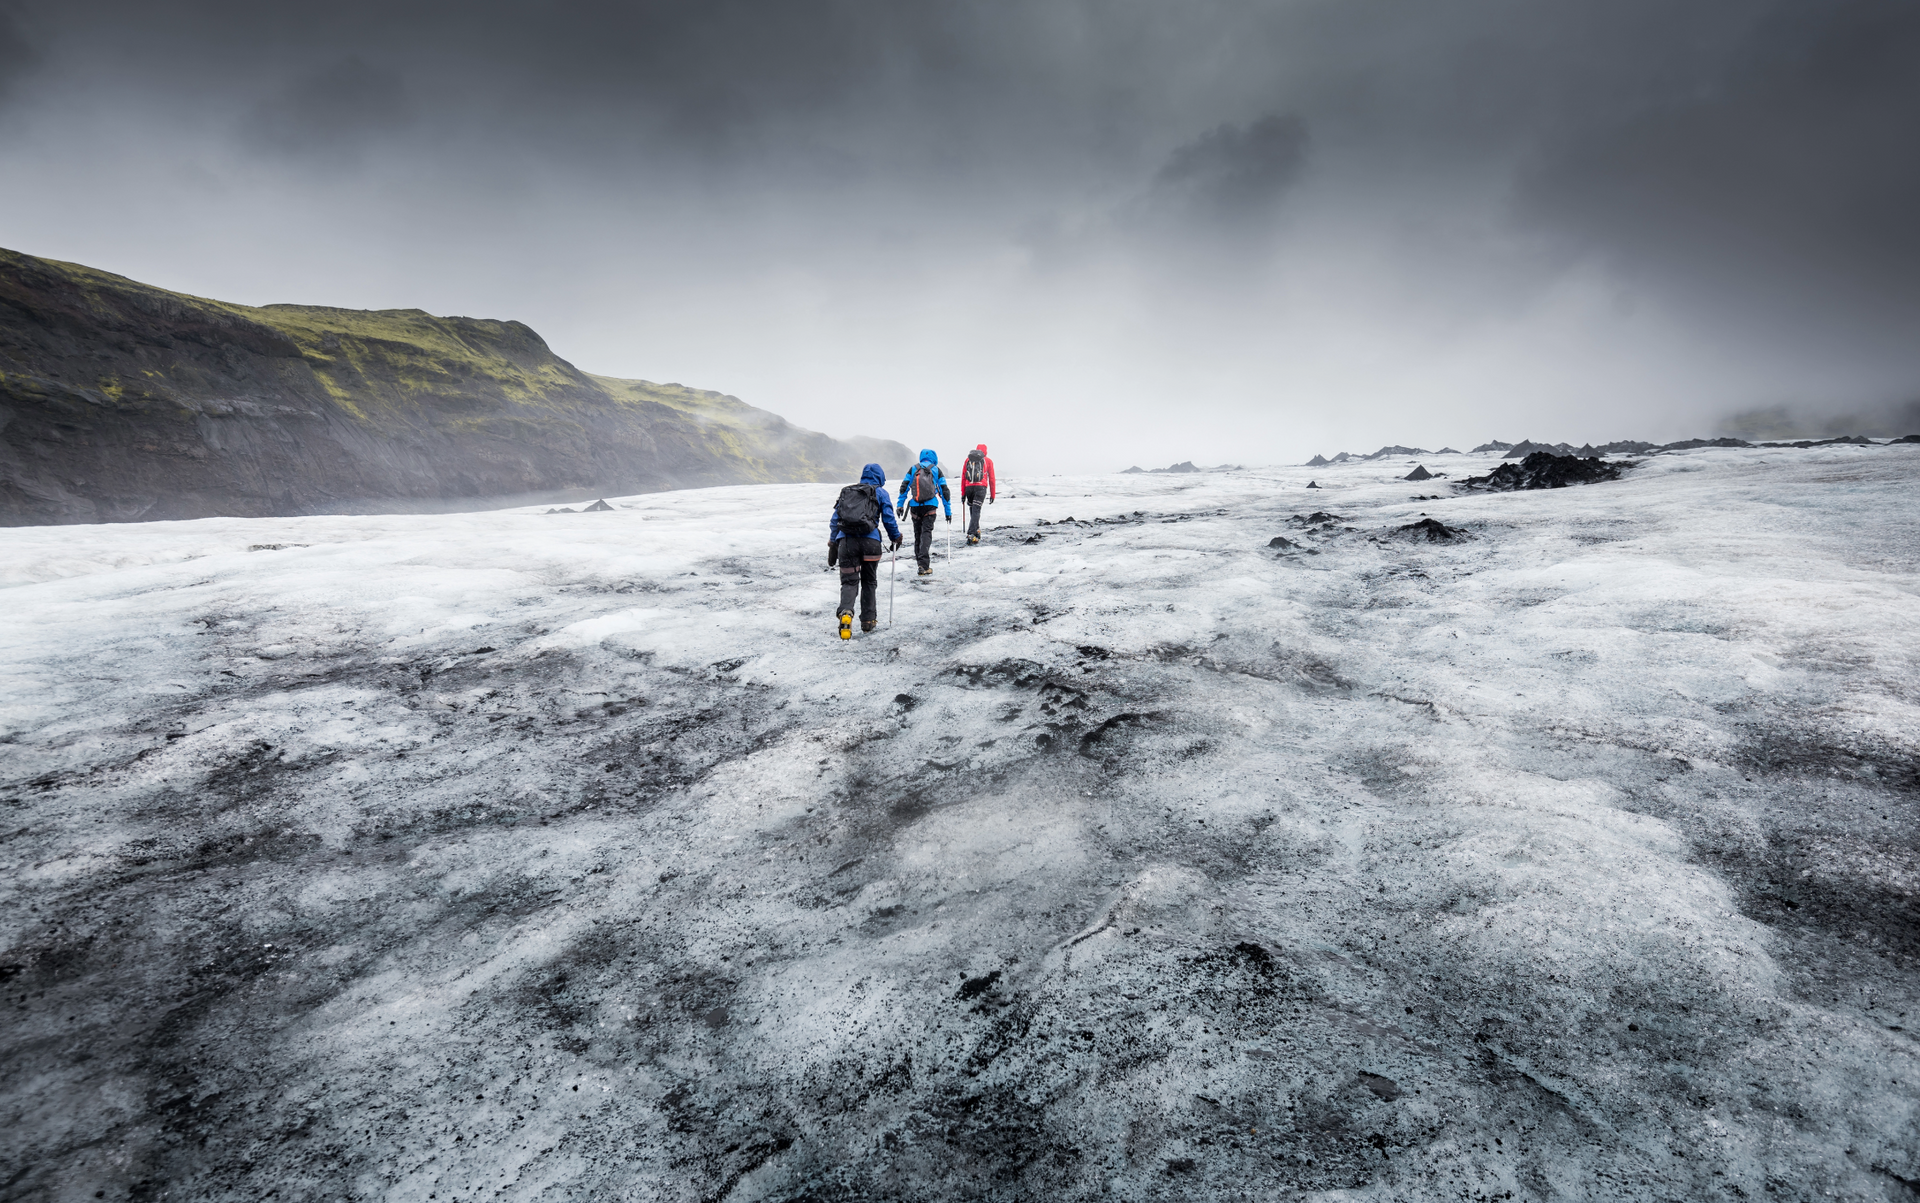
893	558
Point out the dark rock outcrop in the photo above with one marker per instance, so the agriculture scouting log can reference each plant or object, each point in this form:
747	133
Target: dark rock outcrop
1318	461
1545	470
1419	473
1384	452
1850	439
1181	467
1432	530
120	401
1526	447
1690	444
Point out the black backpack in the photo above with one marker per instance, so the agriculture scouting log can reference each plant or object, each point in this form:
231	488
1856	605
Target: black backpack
925	488
859	511
975	473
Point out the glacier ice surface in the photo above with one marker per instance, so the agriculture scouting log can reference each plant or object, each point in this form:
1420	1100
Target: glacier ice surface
540	856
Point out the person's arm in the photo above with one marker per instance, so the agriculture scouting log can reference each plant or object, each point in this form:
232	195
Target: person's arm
906	491
886	516
946	498
993	489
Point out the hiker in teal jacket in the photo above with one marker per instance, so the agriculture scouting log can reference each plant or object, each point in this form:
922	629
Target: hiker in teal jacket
922	490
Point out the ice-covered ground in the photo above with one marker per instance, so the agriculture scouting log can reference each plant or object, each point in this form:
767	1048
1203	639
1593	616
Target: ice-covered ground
570	857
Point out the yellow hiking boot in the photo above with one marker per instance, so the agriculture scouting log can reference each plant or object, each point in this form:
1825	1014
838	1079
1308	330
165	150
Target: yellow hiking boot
846	626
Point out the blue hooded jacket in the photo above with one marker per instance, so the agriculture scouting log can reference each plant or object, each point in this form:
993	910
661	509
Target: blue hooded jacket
906	485
875	475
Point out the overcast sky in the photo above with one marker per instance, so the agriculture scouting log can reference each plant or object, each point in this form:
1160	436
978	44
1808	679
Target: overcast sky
1088	232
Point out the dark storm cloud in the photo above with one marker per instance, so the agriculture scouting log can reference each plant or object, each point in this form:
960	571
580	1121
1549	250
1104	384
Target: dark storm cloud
1380	183
330	112
1235	173
725	76
1729	137
17	57
1792	166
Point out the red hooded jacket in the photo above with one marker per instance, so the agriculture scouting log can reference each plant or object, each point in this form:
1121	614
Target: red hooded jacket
992	487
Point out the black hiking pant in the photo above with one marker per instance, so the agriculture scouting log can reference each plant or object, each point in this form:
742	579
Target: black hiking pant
860	577
976	496
924	516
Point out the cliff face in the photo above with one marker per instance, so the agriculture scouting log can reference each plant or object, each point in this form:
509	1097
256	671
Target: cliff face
120	401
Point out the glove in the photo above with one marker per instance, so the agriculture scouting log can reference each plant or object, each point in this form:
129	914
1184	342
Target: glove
895	546
833	552
989	501
949	517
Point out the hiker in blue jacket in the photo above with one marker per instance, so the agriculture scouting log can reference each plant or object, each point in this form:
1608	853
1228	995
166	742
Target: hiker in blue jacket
853	541
922	489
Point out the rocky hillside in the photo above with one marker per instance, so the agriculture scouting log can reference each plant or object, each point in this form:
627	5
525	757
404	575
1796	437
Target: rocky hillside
120	401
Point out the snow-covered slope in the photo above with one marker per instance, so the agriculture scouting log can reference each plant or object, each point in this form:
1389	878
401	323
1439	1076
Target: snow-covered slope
526	856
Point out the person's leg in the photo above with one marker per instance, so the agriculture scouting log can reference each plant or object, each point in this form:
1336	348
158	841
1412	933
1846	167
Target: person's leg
849	575
923	520
973	519
869	593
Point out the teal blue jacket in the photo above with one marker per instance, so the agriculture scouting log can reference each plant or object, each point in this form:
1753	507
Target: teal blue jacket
906	486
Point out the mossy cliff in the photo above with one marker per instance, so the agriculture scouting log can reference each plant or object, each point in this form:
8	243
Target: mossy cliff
120	401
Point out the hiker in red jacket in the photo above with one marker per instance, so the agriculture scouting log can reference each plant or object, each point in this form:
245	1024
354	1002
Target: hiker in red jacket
976	486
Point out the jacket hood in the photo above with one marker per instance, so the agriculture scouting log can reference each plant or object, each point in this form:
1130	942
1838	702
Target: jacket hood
982	448
928	457
873	474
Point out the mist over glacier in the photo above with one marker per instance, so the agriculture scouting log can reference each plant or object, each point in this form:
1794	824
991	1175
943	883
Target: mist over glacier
534	856
1054	226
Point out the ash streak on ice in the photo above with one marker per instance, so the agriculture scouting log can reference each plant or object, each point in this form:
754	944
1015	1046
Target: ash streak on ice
510	854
